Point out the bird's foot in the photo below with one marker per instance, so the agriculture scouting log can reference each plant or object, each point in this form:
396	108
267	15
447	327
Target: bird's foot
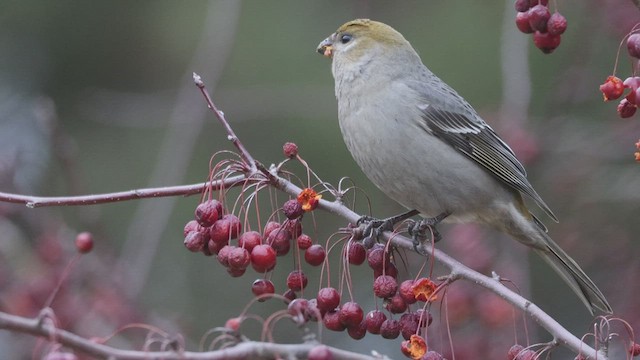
418	231
374	227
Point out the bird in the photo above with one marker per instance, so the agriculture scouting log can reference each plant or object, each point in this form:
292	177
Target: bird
426	147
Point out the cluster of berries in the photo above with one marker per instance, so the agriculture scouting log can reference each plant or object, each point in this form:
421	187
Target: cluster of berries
534	17
613	87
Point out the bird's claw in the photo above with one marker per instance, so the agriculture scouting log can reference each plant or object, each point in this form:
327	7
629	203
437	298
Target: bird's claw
418	232
374	227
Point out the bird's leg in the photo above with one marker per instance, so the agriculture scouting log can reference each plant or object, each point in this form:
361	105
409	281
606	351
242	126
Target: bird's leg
418	230
376	226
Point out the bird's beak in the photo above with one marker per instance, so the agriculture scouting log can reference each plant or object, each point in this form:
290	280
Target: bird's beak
326	46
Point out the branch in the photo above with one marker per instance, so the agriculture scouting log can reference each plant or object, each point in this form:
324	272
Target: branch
243	350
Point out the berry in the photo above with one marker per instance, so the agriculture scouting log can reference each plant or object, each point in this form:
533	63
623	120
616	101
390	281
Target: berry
262	287
292	209
557	24
313	313
408	326
239	258
390	329
328	299
298	309
194	241
304	242
357	332
406	291
356	253
376	257
223	255
233	324
289	295
522	22
546	42
634	350
533	3
269	227
350	314
633	45
290	150
432	355
374	320
521	5
612	88
84	242
297	280
395	304
263	258
280	240
320	352
191	226
220	231
214	247
526	354
385	286
314	255
514	351
331	321
249	240
626	109
236	272
208	212
538	17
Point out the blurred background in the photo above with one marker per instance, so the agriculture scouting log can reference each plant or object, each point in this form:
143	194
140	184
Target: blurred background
97	97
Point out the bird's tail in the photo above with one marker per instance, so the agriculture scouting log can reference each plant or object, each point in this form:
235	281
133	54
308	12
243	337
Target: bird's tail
573	275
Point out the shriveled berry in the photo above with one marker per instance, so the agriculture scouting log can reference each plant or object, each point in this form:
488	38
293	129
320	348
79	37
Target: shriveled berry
406	291
390	329
220	231
262	287
208	212
239	258
522	22
84	242
236	272
194	241
328	299
377	258
626	109
351	314
191	226
557	24
280	240
546	42
385	286
521	5
304	241
408	325
263	258
357	332
612	88
390	270
249	240
292	209
223	255
320	352
314	255
514	351
269	228
214	247
633	45
294	227
296	280
290	150
356	253
395	304
331	321
374	320
538	17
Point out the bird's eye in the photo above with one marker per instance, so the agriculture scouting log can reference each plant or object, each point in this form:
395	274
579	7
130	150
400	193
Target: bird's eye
345	38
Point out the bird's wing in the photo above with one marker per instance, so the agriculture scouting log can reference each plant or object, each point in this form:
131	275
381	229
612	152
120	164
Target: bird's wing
475	139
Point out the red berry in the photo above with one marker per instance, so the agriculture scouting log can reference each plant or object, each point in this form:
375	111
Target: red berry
390	329
269	227
557	24
351	314
320	352
546	42
522	22
191	226
297	280
385	286
280	241
377	258
514	351
304	242
328	299
208	212
292	209
294	227
432	355
612	88
249	240
263	258
408	326
357	332
633	45
331	321
313	312
195	241
374	320
538	17
84	242
395	304
634	350
223	255
239	258
214	247
262	287
314	255
233	324
406	291
289	295
298	309
290	150
521	5
220	231
356	253
626	109
236	272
